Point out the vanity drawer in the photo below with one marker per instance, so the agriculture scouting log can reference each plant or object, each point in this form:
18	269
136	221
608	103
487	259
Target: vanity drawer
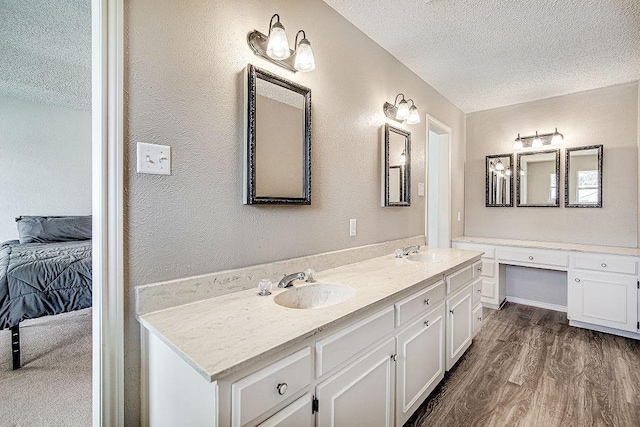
337	349
420	302
477	291
255	394
458	279
489	251
477	269
610	264
488	268
551	258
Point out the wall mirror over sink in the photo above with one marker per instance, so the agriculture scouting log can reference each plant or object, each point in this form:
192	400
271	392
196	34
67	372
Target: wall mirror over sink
278	140
396	155
583	177
499	181
538	179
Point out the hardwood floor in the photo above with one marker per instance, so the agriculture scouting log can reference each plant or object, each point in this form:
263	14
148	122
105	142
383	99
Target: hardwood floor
528	367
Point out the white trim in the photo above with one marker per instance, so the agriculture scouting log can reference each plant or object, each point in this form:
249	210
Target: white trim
432	120
539	304
107	182
604	329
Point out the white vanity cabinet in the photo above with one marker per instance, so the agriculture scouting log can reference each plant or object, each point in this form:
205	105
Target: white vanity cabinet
298	414
459	325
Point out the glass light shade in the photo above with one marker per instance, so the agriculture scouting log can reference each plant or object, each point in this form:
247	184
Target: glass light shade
557	139
517	144
537	142
414	116
278	45
403	158
499	165
507	172
304	57
403	110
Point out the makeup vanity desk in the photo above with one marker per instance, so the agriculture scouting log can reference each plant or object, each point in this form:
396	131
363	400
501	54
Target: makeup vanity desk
602	281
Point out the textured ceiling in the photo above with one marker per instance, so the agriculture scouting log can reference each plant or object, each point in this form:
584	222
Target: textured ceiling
45	51
483	54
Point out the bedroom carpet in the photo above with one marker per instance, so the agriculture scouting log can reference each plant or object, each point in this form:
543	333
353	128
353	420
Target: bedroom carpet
53	387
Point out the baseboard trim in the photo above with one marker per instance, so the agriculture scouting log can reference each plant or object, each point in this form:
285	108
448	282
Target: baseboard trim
532	303
604	329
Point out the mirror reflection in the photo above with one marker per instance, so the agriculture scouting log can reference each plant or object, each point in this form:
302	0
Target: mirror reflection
397	168
278	140
538	178
583	177
499	181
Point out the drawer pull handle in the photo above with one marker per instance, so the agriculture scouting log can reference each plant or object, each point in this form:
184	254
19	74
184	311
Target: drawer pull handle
480	319
479	291
394	357
451	311
603	265
426	323
530	258
427	301
282	388
577	280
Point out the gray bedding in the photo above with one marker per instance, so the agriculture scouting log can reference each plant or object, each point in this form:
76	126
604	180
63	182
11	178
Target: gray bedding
41	279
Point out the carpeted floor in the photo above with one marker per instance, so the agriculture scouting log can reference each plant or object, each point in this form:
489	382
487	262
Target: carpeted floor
53	388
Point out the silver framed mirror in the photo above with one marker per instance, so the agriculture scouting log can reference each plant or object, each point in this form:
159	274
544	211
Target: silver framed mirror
396	171
278	140
499	181
583	177
538	179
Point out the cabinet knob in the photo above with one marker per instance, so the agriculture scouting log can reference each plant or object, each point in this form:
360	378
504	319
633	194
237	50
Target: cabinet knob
480	318
577	280
451	311
604	265
479	291
282	388
394	357
426	323
531	258
426	301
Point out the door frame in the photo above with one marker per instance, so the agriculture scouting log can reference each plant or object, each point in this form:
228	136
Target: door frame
107	209
430	120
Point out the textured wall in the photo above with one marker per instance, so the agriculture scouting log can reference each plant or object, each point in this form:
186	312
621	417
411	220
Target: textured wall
45	162
607	116
184	65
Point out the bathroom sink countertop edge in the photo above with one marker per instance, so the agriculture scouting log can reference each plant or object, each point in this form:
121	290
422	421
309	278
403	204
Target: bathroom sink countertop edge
222	335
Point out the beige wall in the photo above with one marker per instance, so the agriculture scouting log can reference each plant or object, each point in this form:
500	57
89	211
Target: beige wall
184	64
607	116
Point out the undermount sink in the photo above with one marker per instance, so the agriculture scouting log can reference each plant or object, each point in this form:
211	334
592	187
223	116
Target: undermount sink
428	257
315	295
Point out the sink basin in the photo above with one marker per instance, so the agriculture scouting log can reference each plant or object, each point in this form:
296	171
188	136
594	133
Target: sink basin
428	257
315	295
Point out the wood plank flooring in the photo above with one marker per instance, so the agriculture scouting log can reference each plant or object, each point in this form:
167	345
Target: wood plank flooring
528	367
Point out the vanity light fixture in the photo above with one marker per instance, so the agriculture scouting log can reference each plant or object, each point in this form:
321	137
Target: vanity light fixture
538	141
275	47
401	111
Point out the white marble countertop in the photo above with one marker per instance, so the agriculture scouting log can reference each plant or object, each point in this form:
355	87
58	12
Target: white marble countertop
611	250
222	335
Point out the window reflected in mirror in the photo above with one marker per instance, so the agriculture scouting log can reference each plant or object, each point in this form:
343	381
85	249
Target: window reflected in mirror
499	181
583	177
538	176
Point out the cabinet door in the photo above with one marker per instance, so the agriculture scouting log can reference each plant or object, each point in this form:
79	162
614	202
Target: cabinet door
603	299
459	325
362	394
420	362
477	319
298	414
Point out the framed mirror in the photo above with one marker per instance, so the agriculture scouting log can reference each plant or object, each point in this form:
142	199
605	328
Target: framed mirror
278	140
583	177
499	181
396	155
538	179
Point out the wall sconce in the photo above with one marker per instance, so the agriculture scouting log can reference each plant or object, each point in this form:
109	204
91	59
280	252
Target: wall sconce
401	111
538	141
275	47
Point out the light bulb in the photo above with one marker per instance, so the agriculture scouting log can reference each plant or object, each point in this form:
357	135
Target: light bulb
517	144
414	116
403	158
304	57
557	138
507	172
403	110
278	45
499	165
537	142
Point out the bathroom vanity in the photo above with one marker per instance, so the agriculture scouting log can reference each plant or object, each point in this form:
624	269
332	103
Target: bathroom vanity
370	359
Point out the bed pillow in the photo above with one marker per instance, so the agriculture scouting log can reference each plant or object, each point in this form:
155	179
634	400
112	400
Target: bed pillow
46	229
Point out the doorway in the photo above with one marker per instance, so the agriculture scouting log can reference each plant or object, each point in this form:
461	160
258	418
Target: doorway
438	200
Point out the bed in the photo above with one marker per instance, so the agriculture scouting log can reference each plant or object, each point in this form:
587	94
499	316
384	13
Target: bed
42	279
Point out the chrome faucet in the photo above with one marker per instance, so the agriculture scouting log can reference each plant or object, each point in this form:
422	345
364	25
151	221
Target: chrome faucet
411	249
287	280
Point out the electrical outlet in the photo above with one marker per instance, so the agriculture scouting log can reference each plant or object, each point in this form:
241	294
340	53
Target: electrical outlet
352	227
421	189
459	216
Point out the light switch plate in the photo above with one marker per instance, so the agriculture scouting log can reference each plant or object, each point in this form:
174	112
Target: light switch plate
154	159
421	189
352	227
